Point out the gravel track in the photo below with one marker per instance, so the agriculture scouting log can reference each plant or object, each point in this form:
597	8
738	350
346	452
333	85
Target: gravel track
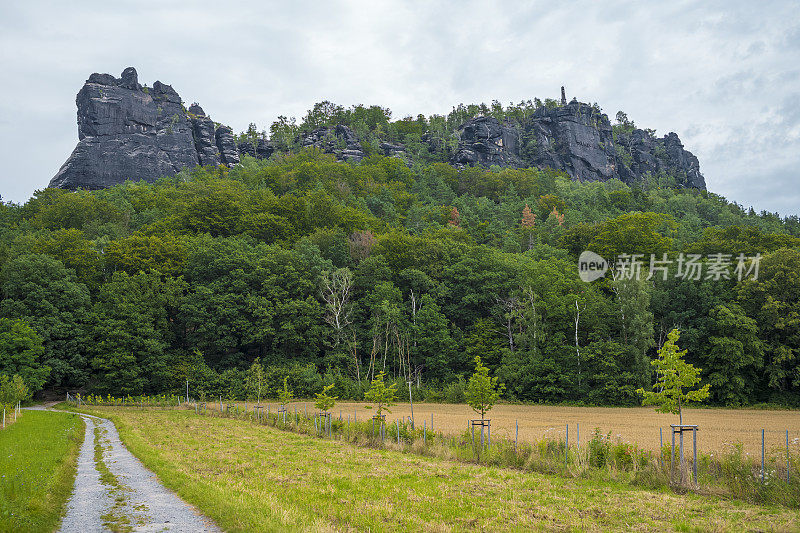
128	497
89	498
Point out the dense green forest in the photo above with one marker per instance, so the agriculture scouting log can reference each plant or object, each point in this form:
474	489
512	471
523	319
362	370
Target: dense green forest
329	272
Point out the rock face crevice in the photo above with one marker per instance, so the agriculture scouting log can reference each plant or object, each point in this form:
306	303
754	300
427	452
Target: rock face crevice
127	131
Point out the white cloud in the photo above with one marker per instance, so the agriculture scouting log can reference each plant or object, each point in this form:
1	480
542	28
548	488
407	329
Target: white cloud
724	76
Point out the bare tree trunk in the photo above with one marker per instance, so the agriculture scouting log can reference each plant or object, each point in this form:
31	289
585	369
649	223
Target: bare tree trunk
336	290
509	305
577	346
355	358
385	345
373	353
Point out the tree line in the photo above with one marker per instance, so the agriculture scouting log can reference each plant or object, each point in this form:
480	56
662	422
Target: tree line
330	273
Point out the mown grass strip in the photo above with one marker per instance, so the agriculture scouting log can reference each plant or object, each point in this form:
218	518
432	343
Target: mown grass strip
256	478
115	519
38	461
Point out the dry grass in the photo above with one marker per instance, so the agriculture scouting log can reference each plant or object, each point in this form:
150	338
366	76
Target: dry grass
256	478
719	428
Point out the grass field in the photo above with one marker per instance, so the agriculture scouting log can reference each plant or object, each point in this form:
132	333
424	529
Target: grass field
256	478
38	456
720	429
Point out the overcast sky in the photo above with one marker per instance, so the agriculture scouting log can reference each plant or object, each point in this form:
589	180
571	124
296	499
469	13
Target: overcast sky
723	75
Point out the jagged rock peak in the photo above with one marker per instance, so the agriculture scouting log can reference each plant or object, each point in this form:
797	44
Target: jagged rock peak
127	131
195	109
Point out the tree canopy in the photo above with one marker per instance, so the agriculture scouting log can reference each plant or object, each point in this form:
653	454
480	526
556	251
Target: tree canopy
326	272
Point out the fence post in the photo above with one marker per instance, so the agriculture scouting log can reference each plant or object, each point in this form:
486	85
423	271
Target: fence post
694	446
762	455
516	435
397	425
788	462
681	454
431	420
566	448
424	431
661	448
578	437
672	458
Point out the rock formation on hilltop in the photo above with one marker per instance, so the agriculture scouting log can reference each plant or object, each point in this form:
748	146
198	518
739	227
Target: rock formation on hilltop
578	139
339	140
127	131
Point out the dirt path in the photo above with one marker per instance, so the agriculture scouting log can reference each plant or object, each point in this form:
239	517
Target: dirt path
115	492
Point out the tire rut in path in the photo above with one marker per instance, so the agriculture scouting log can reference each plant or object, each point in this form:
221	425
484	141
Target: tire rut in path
116	492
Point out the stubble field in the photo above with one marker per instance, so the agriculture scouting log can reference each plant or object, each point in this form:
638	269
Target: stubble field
719	429
255	478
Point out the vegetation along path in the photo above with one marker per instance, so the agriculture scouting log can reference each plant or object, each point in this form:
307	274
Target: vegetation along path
113	491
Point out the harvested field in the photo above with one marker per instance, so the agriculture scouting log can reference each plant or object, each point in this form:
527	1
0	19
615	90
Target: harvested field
256	478
719	428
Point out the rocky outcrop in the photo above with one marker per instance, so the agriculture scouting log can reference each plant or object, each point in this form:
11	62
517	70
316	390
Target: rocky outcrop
127	131
226	144
260	148
575	138
484	141
392	150
578	139
205	140
340	141
640	152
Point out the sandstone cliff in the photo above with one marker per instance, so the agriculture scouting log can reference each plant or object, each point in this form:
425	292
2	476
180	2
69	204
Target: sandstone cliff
127	131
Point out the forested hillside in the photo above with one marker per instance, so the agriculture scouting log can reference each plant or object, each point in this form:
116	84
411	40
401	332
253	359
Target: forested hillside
330	271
